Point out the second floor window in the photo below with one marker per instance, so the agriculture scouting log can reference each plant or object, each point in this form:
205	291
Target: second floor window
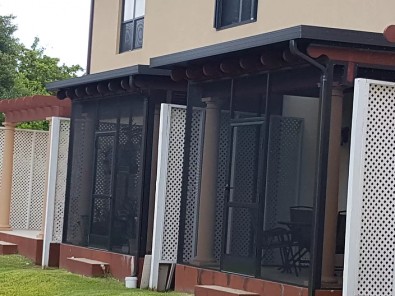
132	27
234	12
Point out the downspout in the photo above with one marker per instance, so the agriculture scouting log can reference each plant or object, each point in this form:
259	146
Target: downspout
321	171
89	54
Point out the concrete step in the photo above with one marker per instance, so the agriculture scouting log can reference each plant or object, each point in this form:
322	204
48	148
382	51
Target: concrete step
87	267
7	248
210	290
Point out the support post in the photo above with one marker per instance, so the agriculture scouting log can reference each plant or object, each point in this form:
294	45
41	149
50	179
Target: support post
86	123
208	186
49	205
40	235
332	189
154	164
6	178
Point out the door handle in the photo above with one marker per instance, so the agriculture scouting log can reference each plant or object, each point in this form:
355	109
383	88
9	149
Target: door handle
227	187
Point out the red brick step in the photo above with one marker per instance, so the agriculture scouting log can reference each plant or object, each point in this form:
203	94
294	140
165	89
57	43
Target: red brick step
87	267
7	248
210	290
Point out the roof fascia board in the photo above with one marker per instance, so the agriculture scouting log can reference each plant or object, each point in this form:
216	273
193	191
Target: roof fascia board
227	47
298	32
345	36
112	74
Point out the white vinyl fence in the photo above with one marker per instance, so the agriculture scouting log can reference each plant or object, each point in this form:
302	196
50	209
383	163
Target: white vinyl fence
28	178
37	153
369	265
57	175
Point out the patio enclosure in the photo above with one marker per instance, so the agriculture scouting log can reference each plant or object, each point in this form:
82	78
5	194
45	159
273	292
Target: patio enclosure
247	188
104	199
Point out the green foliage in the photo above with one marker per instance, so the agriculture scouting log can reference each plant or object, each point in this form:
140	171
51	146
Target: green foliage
9	48
35	125
25	71
19	276
35	69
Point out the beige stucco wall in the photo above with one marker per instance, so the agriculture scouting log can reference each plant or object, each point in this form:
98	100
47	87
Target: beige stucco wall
177	25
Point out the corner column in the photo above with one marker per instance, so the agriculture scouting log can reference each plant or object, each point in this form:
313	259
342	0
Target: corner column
332	189
154	164
40	235
208	185
6	178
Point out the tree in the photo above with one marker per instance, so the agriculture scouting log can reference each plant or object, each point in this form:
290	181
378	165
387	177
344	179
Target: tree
25	71
9	48
35	69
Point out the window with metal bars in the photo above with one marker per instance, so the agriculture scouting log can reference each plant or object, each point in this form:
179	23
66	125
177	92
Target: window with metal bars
229	13
132	26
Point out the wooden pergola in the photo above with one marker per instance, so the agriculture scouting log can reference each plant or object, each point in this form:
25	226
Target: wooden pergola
19	110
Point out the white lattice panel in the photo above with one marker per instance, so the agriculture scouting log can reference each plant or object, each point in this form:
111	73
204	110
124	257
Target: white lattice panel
38	181
173	184
21	180
169	185
370	234
28	179
61	176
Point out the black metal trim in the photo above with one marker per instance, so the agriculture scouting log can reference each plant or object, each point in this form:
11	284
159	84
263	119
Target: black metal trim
142	180
348	37
93	170
247	121
97	77
321	179
253	205
264	164
236	25
122	32
114	177
217	16
146	184
132	20
185	175
68	177
244	205
145	179
218	20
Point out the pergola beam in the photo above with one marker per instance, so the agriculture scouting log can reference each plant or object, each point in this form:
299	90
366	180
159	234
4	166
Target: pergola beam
20	110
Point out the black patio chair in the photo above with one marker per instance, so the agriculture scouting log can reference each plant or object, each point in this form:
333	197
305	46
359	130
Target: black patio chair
279	239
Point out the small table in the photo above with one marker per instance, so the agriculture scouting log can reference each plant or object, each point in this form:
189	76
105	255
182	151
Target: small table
300	238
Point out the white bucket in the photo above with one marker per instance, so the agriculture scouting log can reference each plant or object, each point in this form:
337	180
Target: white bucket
131	282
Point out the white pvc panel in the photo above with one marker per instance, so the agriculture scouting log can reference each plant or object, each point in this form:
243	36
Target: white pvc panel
169	185
167	199
28	178
370	232
61	176
57	173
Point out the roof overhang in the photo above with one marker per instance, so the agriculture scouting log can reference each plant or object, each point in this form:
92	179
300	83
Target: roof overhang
107	75
129	79
228	49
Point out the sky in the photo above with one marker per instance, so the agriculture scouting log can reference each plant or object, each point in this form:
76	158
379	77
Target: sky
61	25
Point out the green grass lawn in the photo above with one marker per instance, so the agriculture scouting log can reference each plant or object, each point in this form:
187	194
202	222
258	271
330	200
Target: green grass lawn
19	276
